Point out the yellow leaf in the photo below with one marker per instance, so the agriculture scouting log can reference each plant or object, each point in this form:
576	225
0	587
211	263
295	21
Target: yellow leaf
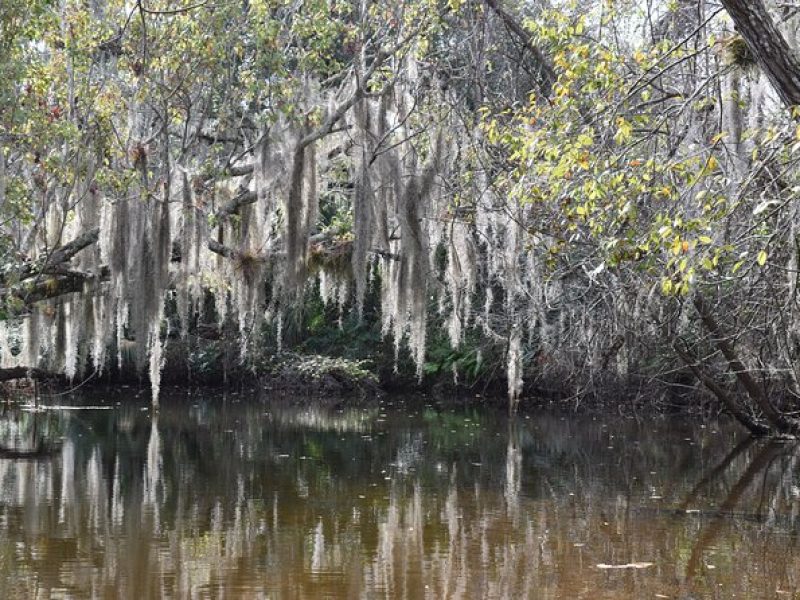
624	131
718	137
762	258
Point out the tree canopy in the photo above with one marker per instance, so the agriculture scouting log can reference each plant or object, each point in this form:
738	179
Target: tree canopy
594	190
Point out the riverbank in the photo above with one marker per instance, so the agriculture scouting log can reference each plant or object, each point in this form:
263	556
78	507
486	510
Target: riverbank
305	378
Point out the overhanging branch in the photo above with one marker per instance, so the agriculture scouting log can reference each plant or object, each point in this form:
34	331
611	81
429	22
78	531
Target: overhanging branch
55	258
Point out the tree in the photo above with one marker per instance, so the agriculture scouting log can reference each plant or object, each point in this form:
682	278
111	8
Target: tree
769	47
665	200
158	133
599	195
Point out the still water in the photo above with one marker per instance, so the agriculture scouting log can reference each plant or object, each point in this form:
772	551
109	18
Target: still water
261	499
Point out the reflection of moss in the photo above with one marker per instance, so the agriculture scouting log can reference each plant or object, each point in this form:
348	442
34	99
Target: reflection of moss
452	419
23	430
324	419
236	489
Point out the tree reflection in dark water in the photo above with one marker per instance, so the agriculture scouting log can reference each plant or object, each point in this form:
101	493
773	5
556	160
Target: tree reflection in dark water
26	435
402	500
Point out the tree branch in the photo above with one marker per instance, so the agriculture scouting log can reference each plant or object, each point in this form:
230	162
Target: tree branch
51	287
234	204
546	72
12	373
58	256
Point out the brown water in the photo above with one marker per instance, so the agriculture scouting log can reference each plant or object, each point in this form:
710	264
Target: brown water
261	500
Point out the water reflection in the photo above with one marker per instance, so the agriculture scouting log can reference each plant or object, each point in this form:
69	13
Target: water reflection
27	435
250	500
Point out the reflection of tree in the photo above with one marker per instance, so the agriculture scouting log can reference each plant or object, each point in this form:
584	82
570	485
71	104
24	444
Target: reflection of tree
26	434
757	466
513	481
717	471
225	500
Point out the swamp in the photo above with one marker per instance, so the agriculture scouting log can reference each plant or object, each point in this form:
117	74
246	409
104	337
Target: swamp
407	299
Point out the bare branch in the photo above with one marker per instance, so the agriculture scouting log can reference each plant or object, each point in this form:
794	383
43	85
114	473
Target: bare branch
546	71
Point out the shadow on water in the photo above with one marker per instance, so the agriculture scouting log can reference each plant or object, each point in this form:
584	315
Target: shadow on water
397	499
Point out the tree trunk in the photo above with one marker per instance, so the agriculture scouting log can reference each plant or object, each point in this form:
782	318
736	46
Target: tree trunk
779	421
753	425
770	49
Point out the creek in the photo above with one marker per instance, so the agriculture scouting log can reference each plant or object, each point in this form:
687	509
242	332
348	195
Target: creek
243	497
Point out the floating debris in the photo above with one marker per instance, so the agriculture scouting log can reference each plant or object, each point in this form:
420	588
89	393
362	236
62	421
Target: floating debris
633	565
35	408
